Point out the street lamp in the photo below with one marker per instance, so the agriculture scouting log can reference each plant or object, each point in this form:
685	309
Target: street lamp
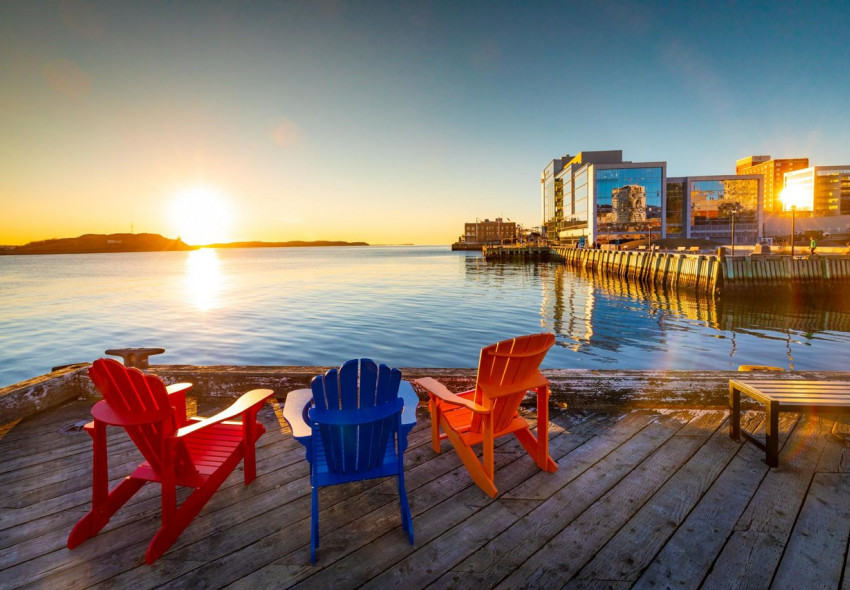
733	233
734	209
792	196
793	212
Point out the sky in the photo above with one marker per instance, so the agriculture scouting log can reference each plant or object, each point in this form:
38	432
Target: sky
387	122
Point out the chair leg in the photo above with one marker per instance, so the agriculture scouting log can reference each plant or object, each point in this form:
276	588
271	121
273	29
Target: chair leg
406	518
174	524
252	431
435	424
542	458
471	462
314	523
94	520
532	446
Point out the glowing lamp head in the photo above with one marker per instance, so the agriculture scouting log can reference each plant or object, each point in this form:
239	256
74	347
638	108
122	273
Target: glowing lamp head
794	198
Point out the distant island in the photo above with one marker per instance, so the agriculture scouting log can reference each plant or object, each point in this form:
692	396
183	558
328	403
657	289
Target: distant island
105	243
101	243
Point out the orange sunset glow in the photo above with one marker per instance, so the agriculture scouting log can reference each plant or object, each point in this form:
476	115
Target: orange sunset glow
390	124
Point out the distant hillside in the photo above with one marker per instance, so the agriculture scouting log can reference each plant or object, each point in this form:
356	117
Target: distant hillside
99	243
294	244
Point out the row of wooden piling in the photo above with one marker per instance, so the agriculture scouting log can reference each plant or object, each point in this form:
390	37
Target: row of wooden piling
693	272
714	273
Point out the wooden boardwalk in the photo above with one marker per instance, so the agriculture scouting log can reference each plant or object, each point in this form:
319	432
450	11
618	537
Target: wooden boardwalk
643	498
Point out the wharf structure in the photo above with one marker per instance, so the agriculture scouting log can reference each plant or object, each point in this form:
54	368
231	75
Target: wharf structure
650	491
699	271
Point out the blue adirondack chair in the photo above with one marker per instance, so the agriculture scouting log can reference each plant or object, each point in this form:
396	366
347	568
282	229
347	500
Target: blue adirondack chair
354	423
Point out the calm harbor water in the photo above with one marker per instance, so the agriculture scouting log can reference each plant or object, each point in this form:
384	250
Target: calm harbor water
405	306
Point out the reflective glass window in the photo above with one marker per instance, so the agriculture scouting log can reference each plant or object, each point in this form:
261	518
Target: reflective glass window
628	202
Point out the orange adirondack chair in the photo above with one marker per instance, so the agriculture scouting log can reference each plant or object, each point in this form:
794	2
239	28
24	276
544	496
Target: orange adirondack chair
506	371
198	453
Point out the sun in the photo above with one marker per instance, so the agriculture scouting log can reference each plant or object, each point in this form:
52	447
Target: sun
201	216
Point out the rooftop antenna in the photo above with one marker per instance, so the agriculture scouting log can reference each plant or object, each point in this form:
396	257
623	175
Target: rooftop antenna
131	227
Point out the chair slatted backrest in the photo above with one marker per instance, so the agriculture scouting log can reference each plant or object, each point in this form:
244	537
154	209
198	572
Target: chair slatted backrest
364	396
505	368
143	400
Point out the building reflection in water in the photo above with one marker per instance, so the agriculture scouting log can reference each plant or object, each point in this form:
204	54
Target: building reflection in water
605	322
589	311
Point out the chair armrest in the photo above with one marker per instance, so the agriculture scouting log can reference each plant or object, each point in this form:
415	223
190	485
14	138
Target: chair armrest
177	388
434	387
254	398
177	398
411	401
102	412
295	411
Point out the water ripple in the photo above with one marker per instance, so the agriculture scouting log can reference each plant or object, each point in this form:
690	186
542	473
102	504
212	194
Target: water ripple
405	306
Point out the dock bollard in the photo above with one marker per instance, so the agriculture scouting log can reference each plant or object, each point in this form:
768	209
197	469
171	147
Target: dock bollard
134	357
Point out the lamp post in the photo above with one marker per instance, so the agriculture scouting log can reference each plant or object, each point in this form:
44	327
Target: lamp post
793	212
734	209
733	233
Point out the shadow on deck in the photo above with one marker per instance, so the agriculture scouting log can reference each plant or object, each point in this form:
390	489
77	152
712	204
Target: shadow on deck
642	498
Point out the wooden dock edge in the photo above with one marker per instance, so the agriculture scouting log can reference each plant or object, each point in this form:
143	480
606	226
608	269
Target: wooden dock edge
577	389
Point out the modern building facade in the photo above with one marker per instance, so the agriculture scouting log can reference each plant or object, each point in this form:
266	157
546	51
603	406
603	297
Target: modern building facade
708	207
773	172
597	197
823	190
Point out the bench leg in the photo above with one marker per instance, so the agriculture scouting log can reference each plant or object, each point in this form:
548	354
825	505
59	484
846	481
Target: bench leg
734	413
772	434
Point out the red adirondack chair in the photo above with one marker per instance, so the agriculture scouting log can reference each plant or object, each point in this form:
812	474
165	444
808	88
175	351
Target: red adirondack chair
506	371
198	453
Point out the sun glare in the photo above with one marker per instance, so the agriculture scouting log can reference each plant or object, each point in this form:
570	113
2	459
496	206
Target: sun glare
201	216
203	279
794	196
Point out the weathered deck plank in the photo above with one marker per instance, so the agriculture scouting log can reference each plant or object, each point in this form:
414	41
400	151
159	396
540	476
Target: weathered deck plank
814	555
642	498
752	553
689	554
556	562
597	468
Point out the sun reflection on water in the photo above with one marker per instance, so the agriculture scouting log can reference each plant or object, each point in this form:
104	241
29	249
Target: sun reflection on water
203	279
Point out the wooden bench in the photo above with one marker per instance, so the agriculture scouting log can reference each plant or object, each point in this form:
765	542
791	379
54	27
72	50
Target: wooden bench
782	395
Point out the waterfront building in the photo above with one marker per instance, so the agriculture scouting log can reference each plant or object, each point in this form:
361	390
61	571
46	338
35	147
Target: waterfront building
773	171
823	190
553	197
705	206
599	197
488	232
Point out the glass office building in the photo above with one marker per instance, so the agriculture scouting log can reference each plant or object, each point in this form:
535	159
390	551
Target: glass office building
706	207
825	190
597	197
